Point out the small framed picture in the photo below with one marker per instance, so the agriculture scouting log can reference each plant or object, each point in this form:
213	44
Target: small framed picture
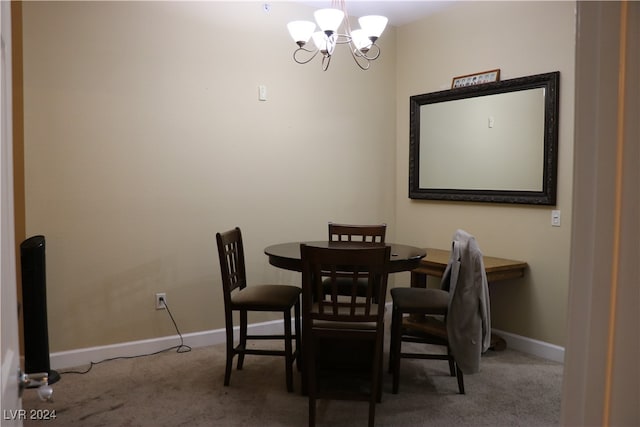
476	78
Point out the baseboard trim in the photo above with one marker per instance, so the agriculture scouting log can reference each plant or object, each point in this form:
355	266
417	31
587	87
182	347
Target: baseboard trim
84	356
533	347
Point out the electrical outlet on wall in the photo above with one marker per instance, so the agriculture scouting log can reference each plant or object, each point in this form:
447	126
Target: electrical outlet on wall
160	300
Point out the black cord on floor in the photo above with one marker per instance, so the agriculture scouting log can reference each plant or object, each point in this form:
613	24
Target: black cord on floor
182	348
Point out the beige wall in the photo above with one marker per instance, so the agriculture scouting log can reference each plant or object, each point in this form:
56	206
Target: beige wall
520	38
144	136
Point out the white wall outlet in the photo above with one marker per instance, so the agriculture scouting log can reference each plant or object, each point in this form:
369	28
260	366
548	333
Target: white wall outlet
555	218
160	299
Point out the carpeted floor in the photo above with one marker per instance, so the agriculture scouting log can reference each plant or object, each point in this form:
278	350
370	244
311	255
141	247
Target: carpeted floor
185	389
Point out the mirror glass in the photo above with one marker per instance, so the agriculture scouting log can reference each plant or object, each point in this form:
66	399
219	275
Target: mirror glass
495	142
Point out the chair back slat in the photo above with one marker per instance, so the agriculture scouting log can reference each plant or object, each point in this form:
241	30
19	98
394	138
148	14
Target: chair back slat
357	233
231	254
335	301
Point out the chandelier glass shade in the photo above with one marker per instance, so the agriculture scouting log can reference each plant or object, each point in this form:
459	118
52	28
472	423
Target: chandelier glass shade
361	42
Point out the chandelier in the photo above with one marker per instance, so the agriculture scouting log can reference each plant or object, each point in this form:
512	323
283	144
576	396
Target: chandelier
361	42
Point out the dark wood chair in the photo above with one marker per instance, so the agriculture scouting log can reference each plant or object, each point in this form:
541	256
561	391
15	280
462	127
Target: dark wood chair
366	234
334	322
420	326
265	297
455	316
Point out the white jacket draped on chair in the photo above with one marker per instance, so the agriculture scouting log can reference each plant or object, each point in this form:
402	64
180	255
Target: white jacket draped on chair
469	314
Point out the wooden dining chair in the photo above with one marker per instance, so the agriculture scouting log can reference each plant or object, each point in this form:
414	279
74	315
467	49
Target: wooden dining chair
238	297
333	322
365	234
456	316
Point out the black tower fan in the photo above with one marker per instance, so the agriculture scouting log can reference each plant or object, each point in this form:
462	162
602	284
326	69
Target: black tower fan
34	302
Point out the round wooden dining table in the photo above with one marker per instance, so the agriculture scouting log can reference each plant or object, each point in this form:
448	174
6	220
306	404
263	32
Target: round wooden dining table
287	255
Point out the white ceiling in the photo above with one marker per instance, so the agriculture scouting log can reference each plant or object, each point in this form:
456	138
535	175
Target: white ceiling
399	12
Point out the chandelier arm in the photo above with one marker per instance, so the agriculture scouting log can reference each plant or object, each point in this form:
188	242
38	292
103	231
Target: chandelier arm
342	38
326	61
359	60
370	55
303	61
377	52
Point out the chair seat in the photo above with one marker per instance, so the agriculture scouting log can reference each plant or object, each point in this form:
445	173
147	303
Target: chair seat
420	300
266	297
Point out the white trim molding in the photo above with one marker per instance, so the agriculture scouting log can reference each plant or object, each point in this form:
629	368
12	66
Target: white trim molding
84	356
533	347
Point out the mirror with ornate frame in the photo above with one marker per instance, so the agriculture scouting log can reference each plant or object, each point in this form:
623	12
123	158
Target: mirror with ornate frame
493	142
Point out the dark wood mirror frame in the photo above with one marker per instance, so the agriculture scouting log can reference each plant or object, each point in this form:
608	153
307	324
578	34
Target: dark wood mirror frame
547	194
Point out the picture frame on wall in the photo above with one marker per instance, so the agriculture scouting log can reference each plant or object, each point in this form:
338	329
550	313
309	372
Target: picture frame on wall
476	78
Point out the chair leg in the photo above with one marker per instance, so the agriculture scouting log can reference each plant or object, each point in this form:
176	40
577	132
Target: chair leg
304	361
460	377
380	370
312	413
288	359
243	337
452	363
296	310
310	369
230	352
372	413
376	383
392	340
396	348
